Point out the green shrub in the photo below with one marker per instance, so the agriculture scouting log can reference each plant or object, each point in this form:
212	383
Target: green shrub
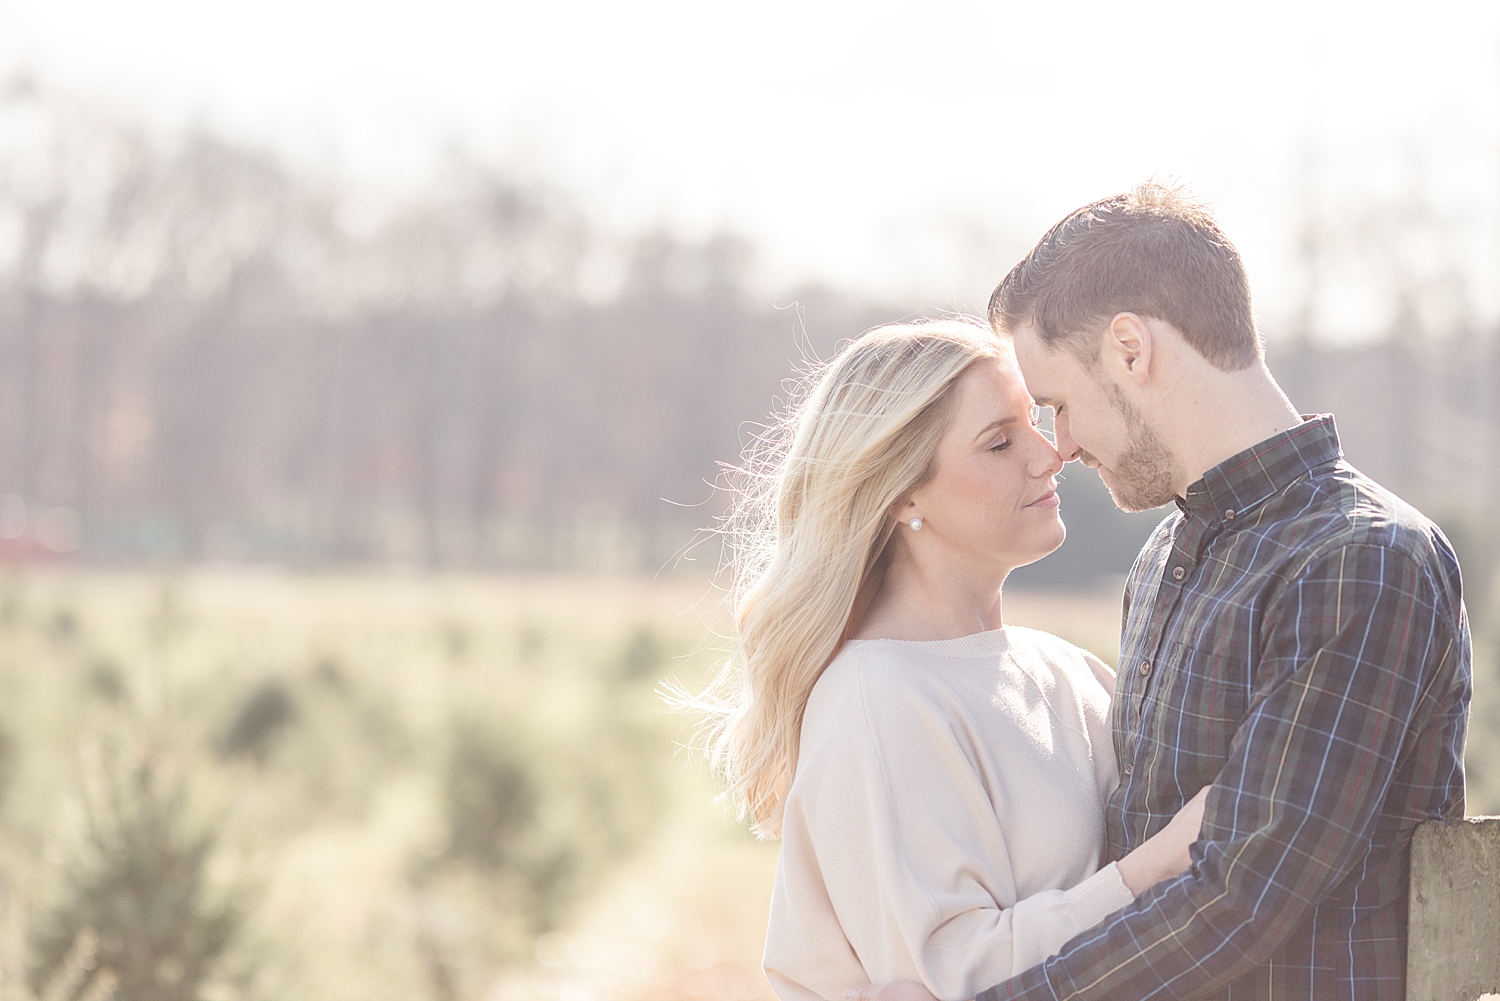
644	655
140	888
268	710
542	818
106	681
498	801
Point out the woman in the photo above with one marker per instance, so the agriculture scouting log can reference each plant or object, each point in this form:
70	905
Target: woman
937	778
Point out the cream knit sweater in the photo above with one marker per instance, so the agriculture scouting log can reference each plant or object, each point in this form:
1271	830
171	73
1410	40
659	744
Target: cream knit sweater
946	821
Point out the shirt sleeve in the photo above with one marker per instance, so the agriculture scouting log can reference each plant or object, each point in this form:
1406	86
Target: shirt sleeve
894	864
1353	653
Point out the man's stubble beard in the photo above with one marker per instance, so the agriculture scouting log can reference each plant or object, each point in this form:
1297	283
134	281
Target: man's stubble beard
1142	476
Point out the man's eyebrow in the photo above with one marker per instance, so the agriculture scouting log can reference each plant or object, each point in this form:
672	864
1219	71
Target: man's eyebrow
1042	401
994	425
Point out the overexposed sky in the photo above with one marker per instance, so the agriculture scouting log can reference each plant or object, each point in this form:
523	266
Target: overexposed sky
917	146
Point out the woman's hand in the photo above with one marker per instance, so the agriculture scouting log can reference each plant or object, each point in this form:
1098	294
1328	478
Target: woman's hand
1164	854
900	990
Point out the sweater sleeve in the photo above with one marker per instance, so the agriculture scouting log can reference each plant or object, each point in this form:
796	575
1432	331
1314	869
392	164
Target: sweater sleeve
894	862
1101	731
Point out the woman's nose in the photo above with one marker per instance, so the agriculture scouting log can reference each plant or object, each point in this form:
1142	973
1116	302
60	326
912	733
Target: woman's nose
1046	461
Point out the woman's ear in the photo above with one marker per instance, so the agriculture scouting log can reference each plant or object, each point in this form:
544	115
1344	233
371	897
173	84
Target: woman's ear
1127	343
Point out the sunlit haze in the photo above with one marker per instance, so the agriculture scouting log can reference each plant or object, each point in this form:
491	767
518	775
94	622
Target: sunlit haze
885	146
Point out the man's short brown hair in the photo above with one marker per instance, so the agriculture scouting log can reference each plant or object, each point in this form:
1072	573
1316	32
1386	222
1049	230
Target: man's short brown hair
1155	251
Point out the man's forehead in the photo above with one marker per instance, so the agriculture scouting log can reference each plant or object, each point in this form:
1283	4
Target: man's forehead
1038	363
1025	339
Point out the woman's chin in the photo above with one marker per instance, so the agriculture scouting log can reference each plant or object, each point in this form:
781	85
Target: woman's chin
1048	541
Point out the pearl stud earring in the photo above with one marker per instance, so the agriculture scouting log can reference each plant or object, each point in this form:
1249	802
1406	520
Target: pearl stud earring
916	524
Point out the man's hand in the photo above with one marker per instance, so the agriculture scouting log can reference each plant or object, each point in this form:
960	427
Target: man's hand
900	990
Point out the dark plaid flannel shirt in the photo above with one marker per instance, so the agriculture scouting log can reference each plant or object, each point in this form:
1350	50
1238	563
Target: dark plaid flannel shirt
1295	635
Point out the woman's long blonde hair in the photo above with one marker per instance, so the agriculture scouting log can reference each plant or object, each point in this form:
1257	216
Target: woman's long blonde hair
815	512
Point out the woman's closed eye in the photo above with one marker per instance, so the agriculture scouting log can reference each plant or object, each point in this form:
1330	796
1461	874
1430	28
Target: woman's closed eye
1033	416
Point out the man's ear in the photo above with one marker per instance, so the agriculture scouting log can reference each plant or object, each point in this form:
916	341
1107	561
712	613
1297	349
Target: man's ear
1127	342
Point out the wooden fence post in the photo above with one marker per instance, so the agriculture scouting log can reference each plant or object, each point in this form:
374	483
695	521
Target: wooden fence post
1453	936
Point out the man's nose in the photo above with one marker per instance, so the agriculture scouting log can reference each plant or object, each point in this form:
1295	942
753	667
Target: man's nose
1067	448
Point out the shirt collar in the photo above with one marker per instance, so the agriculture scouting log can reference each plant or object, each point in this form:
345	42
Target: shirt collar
1243	481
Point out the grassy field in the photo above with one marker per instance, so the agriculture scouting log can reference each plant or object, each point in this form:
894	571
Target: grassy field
247	785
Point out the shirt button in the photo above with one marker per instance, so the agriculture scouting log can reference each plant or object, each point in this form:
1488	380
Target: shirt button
1178	573
1145	668
1229	515
1129	769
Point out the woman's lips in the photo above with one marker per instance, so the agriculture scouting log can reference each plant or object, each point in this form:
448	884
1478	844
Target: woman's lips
1047	500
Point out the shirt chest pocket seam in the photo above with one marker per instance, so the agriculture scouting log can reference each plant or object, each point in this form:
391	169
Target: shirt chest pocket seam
1211	688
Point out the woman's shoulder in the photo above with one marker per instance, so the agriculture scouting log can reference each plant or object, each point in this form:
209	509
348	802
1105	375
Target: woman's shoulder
1025	639
875	704
870	665
1060	655
867	675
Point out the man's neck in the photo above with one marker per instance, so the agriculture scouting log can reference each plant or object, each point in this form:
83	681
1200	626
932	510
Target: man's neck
1225	415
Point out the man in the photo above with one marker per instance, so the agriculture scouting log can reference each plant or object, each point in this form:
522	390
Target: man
1294	633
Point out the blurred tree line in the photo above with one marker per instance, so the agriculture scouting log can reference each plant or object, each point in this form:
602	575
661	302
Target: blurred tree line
205	357
209	355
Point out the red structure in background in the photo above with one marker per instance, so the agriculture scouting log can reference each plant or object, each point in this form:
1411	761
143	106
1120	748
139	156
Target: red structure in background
52	533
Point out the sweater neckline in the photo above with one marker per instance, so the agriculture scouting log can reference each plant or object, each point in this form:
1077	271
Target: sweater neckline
985	644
